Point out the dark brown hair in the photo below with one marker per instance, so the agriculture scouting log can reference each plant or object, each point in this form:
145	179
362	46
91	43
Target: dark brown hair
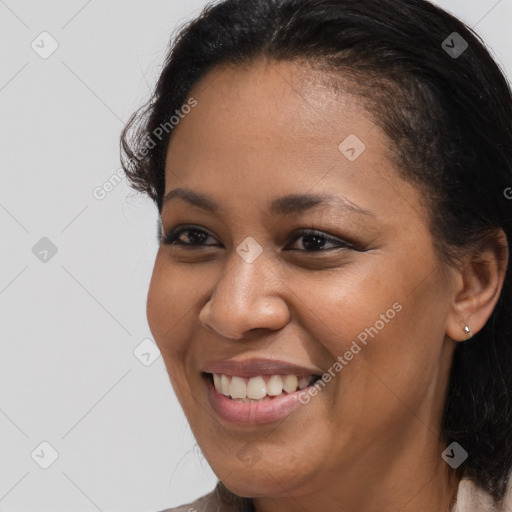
449	119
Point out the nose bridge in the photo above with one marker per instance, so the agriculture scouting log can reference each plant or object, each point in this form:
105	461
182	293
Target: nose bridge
247	295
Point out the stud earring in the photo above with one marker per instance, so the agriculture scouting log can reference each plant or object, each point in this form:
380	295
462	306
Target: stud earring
467	330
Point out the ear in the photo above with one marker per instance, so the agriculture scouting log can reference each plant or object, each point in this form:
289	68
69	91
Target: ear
477	286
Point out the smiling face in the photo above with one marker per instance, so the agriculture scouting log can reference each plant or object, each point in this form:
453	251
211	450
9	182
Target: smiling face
369	271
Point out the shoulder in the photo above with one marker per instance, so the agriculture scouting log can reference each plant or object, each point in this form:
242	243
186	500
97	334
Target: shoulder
219	500
471	498
206	503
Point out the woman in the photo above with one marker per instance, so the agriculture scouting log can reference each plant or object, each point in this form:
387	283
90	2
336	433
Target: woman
331	295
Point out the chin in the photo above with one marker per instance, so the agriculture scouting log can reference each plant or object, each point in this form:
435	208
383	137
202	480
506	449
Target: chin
264	479
248	485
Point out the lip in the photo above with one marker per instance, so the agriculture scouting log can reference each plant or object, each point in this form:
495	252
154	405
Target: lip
252	413
258	366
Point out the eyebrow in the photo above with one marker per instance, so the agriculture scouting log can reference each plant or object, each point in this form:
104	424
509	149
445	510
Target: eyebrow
292	203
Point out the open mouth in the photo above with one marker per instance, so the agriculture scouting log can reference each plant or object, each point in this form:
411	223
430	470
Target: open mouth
259	388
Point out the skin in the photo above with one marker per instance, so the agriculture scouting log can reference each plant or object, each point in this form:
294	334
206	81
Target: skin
370	440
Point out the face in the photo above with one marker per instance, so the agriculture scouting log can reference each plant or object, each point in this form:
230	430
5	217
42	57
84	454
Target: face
270	283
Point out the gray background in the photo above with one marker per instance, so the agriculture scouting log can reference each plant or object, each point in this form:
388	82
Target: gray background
72	371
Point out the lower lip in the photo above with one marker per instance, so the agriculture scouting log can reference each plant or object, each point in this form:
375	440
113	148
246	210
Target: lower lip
253	413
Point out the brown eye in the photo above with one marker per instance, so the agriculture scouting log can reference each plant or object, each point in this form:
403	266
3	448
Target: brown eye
187	236
315	241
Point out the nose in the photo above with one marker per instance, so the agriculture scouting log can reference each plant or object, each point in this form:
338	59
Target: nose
248	296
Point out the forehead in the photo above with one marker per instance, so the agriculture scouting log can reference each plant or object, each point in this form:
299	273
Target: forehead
272	129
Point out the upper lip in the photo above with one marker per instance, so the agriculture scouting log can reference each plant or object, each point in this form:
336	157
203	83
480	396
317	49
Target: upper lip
258	366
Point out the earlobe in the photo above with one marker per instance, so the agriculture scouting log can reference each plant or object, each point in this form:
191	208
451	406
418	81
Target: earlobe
477	287
459	328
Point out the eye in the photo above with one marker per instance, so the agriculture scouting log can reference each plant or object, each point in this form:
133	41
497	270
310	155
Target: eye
315	241
187	236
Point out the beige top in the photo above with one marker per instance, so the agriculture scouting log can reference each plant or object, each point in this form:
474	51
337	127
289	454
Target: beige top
470	498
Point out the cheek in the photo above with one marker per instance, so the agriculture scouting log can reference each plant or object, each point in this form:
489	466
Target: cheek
169	307
388	333
345	306
383	298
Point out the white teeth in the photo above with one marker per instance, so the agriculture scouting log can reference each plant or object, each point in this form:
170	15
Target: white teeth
290	383
238	388
304	382
224	384
217	381
250	401
256	388
275	385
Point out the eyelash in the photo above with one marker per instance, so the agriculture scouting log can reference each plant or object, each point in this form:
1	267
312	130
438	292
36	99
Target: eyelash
172	238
